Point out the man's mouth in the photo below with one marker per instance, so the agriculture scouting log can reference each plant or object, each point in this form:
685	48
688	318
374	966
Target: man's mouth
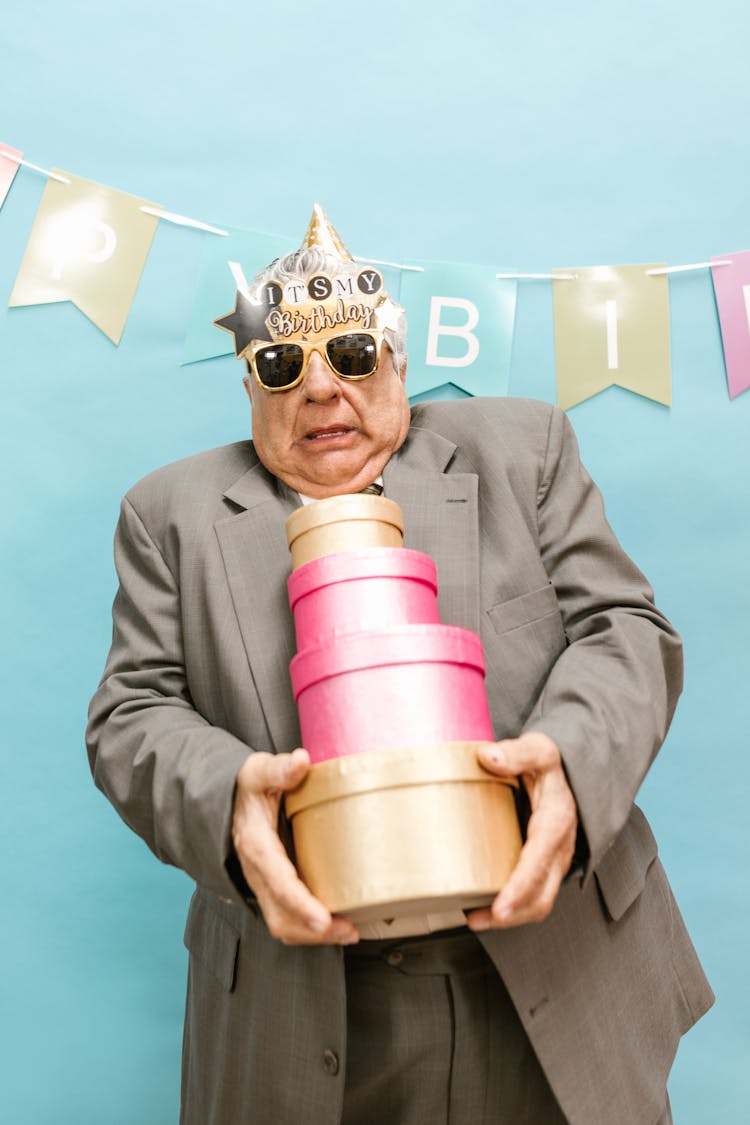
327	432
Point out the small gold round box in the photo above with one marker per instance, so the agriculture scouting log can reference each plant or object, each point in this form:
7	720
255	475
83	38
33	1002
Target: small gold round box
343	523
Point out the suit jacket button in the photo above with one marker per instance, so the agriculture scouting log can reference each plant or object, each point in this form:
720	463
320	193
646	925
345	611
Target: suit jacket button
330	1062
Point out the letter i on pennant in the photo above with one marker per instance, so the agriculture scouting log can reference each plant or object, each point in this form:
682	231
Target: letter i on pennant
612	358
611	328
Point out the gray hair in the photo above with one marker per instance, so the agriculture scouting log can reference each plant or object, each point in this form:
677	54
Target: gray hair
305	263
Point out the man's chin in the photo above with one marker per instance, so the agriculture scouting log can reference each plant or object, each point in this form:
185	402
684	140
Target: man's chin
321	490
334	477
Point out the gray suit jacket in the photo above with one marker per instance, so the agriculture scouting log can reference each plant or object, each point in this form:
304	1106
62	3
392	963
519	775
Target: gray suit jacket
198	676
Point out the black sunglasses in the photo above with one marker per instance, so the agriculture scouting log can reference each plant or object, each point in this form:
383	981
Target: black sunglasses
279	367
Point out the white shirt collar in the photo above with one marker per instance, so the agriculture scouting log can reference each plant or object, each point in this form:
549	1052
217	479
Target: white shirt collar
311	499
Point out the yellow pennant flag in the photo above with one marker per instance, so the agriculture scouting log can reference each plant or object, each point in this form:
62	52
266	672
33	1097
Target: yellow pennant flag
611	328
88	245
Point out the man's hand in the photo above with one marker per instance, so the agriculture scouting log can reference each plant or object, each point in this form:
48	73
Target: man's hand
291	913
531	890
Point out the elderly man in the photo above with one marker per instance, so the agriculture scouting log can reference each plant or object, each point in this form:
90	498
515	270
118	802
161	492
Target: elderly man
565	999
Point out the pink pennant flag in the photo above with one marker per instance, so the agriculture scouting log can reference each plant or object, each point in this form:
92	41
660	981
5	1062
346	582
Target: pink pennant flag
8	169
732	289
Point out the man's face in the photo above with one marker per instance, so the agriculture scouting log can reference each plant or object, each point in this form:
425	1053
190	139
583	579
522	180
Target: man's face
329	435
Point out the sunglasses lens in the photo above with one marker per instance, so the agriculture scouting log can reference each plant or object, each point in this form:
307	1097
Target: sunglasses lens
279	365
353	356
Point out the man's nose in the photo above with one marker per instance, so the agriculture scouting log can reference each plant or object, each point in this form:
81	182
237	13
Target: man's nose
320	383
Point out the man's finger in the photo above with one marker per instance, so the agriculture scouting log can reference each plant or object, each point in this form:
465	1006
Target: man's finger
277	883
531	753
292	912
501	915
270	872
532	888
263	772
528	895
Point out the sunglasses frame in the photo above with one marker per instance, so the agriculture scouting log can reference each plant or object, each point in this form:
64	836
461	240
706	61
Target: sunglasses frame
319	346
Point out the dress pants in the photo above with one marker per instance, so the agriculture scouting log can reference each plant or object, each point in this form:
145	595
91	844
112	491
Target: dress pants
433	1037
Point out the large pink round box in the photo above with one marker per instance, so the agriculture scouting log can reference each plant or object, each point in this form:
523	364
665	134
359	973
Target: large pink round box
388	688
357	591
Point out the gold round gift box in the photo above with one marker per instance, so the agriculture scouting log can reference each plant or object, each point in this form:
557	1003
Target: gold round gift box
397	832
343	523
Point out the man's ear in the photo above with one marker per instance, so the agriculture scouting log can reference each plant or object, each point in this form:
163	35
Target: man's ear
402	370
250	389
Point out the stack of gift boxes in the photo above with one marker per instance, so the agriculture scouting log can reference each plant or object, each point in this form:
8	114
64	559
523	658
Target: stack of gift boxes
396	814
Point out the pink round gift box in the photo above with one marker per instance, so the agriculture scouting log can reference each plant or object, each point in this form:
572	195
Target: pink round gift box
356	591
408	685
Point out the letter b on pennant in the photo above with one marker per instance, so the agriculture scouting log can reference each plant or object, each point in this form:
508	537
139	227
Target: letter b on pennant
436	329
461	326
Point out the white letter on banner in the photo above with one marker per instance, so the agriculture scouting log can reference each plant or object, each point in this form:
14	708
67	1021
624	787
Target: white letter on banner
612	356
68	245
746	295
437	329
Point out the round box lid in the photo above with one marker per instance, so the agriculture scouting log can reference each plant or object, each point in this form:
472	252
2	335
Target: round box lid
389	769
368	562
399	644
336	509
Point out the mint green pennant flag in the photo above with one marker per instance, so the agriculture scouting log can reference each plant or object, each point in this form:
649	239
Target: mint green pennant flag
461	321
215	292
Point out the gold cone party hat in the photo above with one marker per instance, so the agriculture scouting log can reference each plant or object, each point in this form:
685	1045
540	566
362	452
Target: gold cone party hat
354	300
322	233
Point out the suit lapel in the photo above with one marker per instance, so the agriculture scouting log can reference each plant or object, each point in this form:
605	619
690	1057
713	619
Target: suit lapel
256	559
440	510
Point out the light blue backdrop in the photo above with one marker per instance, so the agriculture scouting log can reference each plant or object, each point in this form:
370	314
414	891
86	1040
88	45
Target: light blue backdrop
520	136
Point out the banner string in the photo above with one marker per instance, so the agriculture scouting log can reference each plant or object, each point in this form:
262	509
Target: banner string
693	266
183	220
659	272
395	265
537	276
197	224
34	167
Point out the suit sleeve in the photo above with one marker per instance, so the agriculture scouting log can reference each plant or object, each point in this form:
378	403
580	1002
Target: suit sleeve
168	772
610	696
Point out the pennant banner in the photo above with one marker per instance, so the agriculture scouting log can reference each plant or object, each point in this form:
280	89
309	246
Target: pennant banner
732	291
216	287
8	169
460	328
611	329
88	245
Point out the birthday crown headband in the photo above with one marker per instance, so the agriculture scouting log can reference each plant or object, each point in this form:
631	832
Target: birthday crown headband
349	300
